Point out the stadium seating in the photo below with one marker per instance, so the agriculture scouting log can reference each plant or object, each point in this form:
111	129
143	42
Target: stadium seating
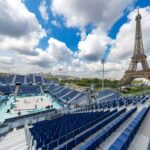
107	94
29	89
3	80
10	79
38	79
70	95
6	90
126	137
103	134
20	79
119	102
64	94
30	78
59	132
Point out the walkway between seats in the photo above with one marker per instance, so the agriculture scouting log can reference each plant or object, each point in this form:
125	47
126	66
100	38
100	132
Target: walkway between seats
14	140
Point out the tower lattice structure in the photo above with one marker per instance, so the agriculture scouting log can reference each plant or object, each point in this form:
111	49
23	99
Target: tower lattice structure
138	57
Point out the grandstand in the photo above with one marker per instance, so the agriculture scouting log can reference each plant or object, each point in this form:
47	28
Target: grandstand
40	114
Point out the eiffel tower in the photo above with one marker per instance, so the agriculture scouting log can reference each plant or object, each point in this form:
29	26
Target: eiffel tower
138	57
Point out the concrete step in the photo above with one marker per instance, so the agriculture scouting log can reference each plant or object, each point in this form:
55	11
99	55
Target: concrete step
14	140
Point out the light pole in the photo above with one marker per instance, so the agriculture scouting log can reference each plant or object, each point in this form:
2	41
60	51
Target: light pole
60	74
103	60
103	72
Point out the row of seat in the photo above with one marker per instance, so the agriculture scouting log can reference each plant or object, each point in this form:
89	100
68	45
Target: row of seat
56	132
106	132
79	132
7	89
23	79
123	101
64	93
64	127
80	137
126	137
29	89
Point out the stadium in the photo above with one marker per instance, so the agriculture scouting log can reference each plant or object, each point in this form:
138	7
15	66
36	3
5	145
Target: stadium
45	111
35	114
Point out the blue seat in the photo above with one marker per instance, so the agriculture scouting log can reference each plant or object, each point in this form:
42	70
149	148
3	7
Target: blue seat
123	141
62	139
71	144
52	145
118	145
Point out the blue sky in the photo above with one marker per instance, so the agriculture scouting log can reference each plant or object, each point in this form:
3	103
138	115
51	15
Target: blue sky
65	34
61	33
72	35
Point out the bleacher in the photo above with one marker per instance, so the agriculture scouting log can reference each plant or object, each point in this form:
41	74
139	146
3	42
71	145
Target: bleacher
69	131
119	102
63	93
107	95
29	89
5	89
10	79
126	137
87	131
78	126
103	134
30	78
3	80
87	127
20	79
48	81
38	79
71	95
60	130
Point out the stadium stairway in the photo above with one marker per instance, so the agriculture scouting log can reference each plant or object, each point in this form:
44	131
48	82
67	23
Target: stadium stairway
106	144
43	82
66	94
16	90
25	79
126	137
74	97
34	79
141	140
14	140
14	79
100	136
41	89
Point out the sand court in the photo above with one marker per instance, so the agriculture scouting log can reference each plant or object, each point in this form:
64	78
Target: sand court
33	102
26	105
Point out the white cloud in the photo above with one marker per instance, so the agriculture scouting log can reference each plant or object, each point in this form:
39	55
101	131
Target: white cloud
6	60
79	13
57	52
20	33
93	46
19	28
44	10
